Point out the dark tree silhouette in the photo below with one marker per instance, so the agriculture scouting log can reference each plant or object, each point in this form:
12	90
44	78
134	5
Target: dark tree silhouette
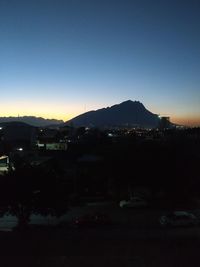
31	190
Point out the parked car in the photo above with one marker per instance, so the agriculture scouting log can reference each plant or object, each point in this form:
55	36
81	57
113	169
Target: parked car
96	219
179	218
133	203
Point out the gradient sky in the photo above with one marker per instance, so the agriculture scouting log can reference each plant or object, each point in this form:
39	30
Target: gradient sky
60	58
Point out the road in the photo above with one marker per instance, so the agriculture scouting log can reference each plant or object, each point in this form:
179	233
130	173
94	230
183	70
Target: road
134	240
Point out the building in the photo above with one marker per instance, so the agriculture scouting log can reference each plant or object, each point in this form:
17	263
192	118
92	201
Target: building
52	145
164	123
4	164
14	135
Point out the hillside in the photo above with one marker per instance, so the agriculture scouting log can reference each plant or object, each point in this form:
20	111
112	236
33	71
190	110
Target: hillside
128	113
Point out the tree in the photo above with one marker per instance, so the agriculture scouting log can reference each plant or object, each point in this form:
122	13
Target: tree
29	190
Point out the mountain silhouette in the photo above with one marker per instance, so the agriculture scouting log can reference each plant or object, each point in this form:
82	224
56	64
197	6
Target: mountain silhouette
31	120
126	114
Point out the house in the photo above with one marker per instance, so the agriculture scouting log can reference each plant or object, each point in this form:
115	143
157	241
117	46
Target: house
16	135
4	164
51	139
52	145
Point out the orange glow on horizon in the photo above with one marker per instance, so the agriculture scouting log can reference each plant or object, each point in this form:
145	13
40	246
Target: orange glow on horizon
43	115
187	121
46	111
190	121
66	112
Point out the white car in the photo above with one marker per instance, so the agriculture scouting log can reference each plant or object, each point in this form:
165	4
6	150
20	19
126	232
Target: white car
179	218
133	203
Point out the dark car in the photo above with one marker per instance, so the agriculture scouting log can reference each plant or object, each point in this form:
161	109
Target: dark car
89	220
179	218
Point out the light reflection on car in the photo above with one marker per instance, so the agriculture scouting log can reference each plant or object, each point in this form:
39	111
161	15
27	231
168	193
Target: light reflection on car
133	203
179	218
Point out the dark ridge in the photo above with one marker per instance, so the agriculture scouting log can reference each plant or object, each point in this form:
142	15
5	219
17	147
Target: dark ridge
128	113
31	120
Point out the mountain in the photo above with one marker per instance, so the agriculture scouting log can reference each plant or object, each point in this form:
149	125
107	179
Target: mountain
128	113
31	120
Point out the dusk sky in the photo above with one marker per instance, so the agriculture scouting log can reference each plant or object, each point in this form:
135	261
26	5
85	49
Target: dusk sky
60	58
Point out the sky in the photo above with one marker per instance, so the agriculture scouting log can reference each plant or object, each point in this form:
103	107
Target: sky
60	58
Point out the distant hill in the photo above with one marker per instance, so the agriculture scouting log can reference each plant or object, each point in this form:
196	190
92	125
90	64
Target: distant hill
15	124
128	113
31	120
